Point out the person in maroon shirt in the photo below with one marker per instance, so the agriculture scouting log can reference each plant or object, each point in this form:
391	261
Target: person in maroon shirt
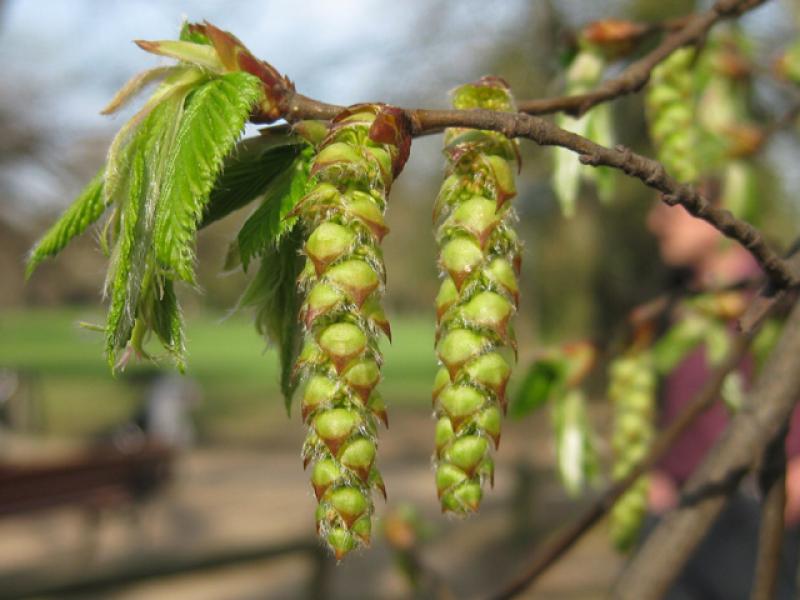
722	566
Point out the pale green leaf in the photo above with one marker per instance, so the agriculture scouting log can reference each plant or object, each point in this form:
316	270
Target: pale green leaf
717	341
566	178
131	271
201	55
600	130
740	191
765	341
583	74
167	321
134	86
213	119
176	85
84	211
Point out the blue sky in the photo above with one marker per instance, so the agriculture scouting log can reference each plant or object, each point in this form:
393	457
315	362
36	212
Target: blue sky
63	59
344	51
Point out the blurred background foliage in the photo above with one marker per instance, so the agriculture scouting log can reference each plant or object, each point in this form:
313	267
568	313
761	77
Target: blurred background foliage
580	276
63	60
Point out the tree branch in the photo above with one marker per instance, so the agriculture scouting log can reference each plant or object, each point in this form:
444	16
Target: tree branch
564	540
772	480
545	133
767	409
636	76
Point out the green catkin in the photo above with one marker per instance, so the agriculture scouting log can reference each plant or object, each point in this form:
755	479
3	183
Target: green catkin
479	256
671	115
340	362
632	389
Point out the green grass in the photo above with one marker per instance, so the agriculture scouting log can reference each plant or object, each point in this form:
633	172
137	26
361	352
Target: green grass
238	376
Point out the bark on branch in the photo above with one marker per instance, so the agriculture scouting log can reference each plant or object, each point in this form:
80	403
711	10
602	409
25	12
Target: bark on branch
766	411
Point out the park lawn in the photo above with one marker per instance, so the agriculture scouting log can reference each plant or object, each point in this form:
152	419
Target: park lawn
237	373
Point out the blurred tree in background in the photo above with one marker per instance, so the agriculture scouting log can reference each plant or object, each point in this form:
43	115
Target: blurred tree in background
581	277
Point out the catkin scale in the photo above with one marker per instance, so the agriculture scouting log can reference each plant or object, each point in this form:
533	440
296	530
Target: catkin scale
479	257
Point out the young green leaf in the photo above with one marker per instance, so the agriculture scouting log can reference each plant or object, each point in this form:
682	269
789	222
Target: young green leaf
274	294
199	54
176	85
121	284
190	32
212	121
134	85
247	173
132	266
765	342
271	220
167	321
544	379
84	211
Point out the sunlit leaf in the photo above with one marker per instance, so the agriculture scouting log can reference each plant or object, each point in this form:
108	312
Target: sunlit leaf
212	121
84	211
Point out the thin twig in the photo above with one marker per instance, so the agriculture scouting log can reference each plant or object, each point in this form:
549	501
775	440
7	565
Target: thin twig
565	539
635	76
767	409
772	481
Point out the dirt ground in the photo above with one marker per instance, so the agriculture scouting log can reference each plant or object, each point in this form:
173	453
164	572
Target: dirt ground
229	500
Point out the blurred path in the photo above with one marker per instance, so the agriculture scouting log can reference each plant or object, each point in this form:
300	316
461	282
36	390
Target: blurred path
226	499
